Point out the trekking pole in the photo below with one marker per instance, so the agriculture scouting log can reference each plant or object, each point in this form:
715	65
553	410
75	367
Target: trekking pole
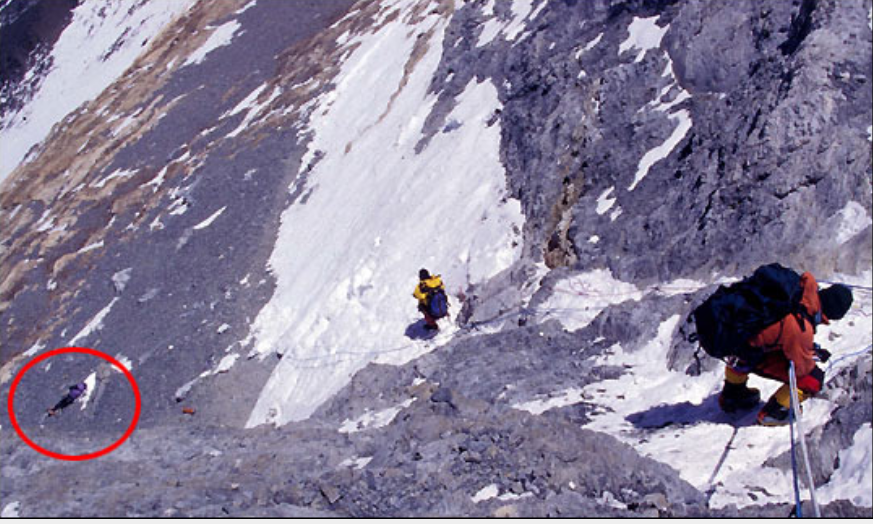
798	506
795	407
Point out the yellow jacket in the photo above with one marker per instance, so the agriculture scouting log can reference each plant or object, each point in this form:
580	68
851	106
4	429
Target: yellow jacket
432	283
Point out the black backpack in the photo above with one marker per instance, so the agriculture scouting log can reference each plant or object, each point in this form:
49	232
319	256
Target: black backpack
734	314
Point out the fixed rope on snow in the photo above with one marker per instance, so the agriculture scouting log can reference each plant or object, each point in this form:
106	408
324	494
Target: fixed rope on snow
850	355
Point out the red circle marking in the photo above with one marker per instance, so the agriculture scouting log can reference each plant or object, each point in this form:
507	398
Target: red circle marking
87	351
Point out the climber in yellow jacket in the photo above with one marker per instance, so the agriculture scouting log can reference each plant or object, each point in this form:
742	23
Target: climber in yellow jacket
427	289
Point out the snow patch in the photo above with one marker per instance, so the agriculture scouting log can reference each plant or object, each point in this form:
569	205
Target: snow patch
34	349
254	112
121	278
488	492
246	7
91	382
220	37
158	181
589	46
852	219
10	511
605	202
679	286
46	221
577	300
659	104
91	247
355	462
124	361
662	151
118	173
644	34
559	399
226	363
522	12
123	125
206	223
223	366
94	324
374	419
492	491
852	480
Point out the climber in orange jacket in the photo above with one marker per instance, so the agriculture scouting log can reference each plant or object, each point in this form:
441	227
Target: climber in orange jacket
789	340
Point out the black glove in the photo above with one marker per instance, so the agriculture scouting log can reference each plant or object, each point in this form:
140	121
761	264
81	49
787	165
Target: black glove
821	354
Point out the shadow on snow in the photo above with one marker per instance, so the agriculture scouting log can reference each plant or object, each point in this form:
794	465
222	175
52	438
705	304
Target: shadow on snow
417	331
688	414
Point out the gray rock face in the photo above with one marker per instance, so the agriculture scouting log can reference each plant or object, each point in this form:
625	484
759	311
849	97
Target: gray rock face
777	134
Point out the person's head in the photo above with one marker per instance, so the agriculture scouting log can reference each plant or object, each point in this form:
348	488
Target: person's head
835	301
423	274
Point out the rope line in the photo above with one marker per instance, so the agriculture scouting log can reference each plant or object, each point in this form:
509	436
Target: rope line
849	355
852	286
727	447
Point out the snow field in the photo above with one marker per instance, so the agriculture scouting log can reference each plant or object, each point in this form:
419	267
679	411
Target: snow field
391	210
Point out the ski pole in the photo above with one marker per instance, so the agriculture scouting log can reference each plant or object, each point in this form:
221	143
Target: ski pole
795	407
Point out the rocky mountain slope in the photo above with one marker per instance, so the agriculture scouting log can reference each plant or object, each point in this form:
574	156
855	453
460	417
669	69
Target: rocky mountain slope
233	200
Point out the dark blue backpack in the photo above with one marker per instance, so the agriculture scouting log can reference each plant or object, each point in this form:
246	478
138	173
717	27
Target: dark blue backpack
734	314
438	303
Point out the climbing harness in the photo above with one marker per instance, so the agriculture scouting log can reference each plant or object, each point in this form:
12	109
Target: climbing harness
795	416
